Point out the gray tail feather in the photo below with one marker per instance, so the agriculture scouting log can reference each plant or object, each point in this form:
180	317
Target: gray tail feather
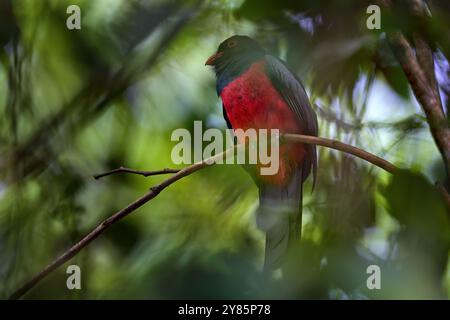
280	216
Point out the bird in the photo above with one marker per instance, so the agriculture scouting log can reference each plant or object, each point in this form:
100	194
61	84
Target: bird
259	91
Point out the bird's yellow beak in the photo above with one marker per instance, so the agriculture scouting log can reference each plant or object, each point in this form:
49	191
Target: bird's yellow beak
211	60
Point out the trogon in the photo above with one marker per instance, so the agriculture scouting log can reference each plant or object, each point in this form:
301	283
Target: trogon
259	91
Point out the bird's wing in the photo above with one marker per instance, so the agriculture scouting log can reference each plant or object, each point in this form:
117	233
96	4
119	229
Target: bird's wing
292	91
290	88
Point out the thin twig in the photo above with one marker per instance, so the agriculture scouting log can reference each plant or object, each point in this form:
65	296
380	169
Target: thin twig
154	191
104	87
337	145
138	172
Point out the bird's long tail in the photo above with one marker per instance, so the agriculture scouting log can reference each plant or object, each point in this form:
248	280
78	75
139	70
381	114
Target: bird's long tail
280	216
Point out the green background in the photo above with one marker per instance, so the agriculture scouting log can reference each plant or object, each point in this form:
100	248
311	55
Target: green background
74	103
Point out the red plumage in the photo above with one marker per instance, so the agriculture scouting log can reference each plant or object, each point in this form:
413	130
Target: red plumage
251	101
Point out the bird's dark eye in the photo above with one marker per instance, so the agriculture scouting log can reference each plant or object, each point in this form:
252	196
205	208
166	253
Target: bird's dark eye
231	43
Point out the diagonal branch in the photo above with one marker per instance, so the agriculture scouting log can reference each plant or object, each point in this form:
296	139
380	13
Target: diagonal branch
337	145
103	226
418	65
424	52
154	191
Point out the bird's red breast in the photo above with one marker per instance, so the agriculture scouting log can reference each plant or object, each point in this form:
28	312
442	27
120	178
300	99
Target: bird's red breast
251	101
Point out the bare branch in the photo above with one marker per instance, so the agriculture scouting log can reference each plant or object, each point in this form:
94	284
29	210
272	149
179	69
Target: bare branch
154	191
337	145
103	226
425	94
138	172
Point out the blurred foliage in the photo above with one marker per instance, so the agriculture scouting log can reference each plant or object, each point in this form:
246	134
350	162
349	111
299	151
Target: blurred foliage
76	103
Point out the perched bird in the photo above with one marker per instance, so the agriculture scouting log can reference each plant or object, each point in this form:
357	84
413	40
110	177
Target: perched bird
259	91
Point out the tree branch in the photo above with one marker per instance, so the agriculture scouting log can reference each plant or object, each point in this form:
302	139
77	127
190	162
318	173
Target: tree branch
138	172
103	226
104	87
154	191
337	145
418	66
425	94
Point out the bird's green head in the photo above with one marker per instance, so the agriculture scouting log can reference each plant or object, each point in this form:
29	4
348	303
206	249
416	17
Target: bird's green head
235	47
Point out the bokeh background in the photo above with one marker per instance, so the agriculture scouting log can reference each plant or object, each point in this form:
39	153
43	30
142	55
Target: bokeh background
74	103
